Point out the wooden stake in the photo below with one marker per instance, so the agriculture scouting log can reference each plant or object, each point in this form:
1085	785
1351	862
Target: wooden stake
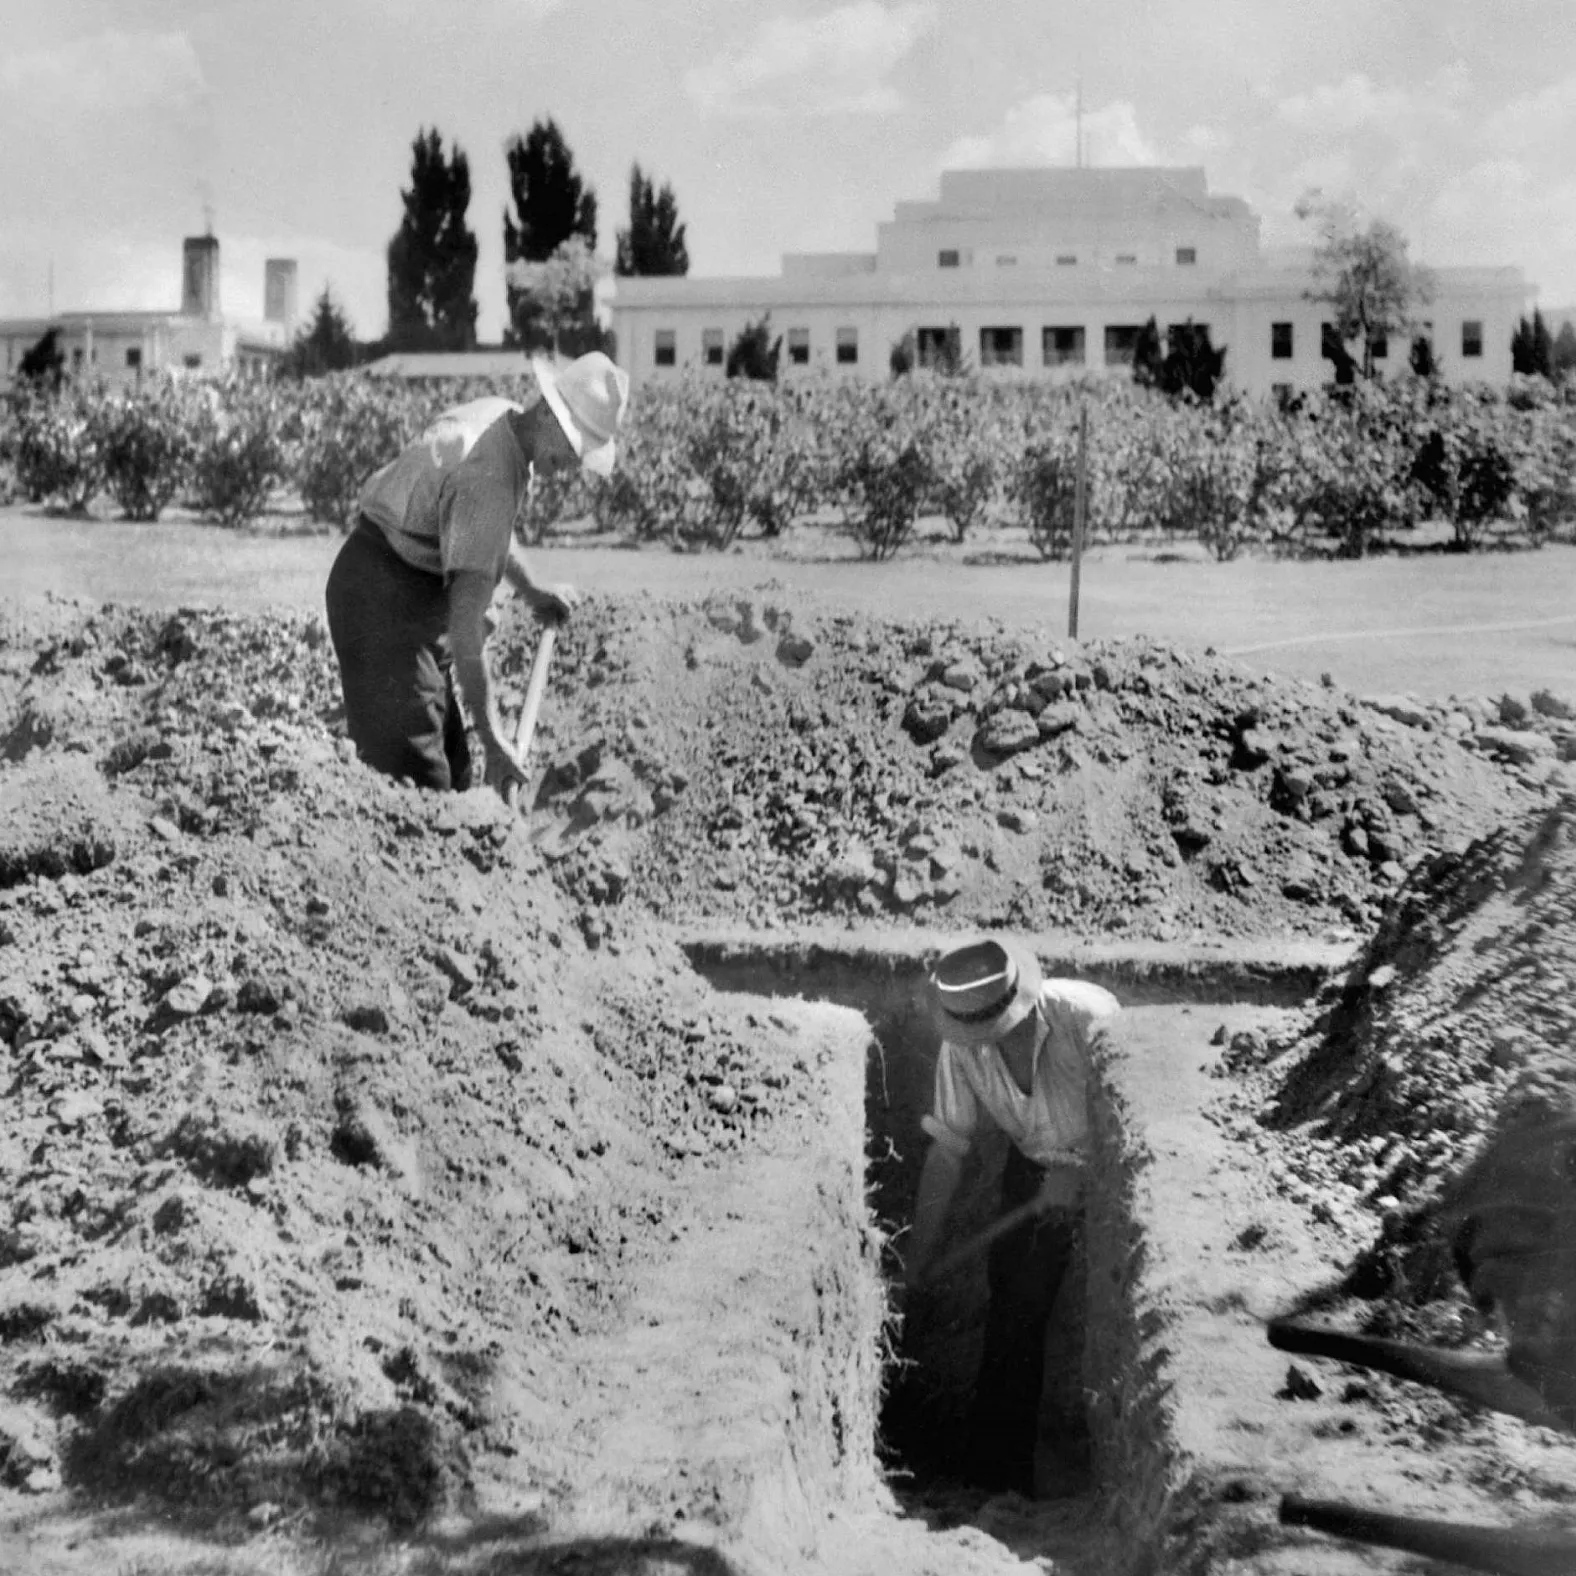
1080	511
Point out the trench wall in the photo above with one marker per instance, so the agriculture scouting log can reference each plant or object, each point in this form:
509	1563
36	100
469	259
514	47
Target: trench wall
1143	1475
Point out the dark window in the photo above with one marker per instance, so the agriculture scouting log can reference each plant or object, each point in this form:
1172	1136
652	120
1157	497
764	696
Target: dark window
711	346
847	346
1062	347
1472	338
666	353
936	346
1280	341
947	258
1282	393
134	356
1001	347
1006	260
1186	255
76	356
1121	340
1066	259
799	346
191	361
1380	345
1127	257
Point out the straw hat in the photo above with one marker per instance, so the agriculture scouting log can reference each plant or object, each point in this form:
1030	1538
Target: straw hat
981	992
588	396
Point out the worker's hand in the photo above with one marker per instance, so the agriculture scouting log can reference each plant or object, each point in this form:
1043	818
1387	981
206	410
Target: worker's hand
503	771
555	602
1062	1187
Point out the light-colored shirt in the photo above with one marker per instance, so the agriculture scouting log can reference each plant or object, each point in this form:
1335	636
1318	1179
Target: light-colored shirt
451	498
1049	1124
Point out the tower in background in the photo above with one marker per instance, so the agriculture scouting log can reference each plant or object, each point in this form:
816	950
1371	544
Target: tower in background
280	303
200	277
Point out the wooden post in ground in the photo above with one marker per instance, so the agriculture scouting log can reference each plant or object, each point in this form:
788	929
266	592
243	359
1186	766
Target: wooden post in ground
1080	513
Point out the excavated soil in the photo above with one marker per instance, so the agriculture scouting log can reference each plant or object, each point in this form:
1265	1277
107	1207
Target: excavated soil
354	1133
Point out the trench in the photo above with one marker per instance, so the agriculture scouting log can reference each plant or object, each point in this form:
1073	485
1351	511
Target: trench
922	1442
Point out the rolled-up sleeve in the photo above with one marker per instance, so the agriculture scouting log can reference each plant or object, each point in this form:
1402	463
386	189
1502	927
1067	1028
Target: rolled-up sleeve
954	1114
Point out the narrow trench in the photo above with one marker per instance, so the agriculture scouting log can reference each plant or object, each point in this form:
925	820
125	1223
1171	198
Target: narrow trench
923	1441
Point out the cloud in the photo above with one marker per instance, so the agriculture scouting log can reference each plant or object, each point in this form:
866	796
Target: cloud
107	75
834	63
1044	130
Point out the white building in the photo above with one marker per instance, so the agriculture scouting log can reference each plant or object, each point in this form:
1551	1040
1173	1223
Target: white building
1052	272
121	347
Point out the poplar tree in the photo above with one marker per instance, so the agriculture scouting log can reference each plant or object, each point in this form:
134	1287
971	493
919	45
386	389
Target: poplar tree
654	241
432	257
551	203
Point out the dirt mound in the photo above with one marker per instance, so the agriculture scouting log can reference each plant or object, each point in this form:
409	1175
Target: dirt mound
326	1130
1456	1024
738	759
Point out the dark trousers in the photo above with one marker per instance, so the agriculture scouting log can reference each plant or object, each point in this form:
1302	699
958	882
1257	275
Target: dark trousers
389	625
1013	1403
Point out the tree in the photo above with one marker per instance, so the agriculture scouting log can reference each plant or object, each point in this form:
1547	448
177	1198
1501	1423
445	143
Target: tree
549	297
754	353
1364	274
325	345
46	361
1563	356
654	241
1192	365
1146	356
1531	348
551	204
432	257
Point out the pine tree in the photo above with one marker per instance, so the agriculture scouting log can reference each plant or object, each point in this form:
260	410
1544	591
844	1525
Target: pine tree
1562	354
326	344
551	204
1146	356
1532	348
1191	364
46	361
654	241
432	257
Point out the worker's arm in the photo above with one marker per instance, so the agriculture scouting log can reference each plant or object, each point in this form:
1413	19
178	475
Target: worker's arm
470	594
547	601
938	1182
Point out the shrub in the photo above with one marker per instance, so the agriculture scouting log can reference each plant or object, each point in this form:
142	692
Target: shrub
146	444
754	353
58	457
350	427
1045	489
885	480
239	457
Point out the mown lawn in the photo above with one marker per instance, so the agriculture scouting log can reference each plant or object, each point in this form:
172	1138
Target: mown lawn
1433	624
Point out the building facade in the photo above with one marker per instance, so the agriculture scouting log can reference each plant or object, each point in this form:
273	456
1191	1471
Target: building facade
121	348
1051	273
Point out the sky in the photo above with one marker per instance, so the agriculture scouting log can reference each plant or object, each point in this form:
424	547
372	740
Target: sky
782	125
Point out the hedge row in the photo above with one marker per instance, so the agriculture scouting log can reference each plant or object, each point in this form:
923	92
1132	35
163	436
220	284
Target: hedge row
704	461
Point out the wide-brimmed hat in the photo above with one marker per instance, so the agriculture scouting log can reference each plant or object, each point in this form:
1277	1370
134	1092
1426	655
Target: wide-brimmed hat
588	397
981	992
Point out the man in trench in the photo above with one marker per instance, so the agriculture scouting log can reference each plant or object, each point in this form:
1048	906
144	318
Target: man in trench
1015	1055
410	594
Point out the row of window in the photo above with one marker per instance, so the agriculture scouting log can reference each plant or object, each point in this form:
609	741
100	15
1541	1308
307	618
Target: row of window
951	257
1060	345
1281	339
133	358
798	346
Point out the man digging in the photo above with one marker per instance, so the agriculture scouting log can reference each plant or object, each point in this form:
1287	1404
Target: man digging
1015	1054
410	593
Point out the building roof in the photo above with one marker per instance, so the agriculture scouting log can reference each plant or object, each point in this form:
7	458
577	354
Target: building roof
451	364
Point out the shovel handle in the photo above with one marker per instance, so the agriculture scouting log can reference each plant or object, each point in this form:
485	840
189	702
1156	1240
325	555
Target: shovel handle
534	691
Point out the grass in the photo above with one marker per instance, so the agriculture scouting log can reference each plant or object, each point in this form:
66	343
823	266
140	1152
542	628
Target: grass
1431	624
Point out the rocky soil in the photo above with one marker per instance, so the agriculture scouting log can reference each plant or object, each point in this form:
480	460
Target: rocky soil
336	1110
742	759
